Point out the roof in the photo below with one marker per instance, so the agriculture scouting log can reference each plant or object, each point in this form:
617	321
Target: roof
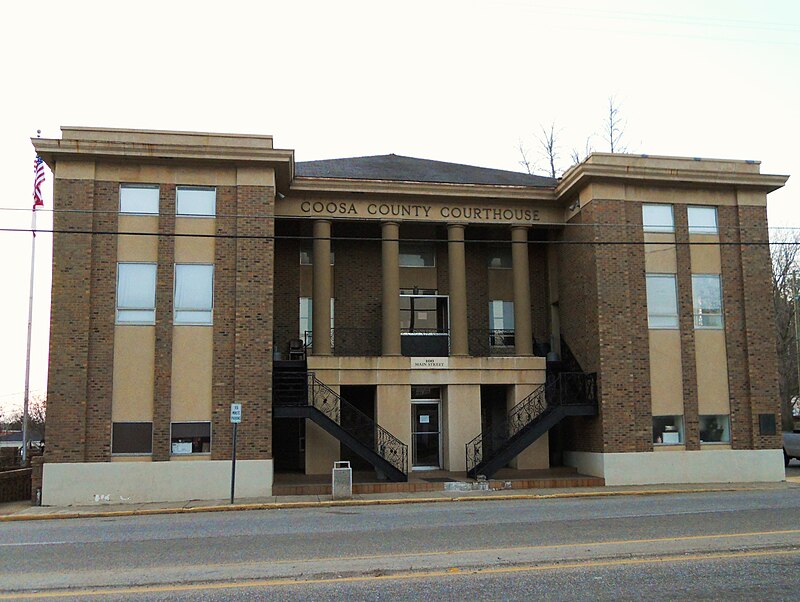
410	169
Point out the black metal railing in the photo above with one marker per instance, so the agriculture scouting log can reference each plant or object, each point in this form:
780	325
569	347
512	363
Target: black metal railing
565	389
357	424
351	342
422	342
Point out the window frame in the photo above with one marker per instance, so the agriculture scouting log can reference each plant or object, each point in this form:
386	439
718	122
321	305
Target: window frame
650	326
116	296
156	187
176	311
659	229
721	314
726	429
192	453
150	453
702	229
181	187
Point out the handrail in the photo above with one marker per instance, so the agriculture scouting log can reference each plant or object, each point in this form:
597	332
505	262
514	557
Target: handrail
564	389
361	426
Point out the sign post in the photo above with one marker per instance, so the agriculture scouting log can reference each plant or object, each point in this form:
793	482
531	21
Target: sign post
236	418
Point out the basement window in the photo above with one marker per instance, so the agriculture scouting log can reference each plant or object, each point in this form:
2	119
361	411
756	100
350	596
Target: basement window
190	438
667	430
132	438
715	428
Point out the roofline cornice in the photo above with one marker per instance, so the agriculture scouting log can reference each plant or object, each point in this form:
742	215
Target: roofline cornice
583	173
345	185
53	150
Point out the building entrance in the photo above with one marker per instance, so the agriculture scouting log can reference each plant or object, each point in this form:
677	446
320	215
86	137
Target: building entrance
426	434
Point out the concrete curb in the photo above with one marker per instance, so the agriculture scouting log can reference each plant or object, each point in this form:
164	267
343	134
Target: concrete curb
376	502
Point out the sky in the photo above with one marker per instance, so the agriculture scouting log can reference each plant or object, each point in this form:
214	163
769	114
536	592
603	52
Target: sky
461	81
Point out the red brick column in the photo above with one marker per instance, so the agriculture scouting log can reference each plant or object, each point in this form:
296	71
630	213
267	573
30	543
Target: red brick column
691	420
69	323
162	391
253	332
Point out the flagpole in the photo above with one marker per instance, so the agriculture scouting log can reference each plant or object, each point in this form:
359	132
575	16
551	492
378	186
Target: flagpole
28	355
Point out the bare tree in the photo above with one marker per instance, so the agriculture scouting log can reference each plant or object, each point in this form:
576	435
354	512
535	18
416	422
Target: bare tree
576	155
785	251
614	127
525	162
549	147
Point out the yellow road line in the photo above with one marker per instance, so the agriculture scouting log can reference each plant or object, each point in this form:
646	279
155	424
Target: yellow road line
399	576
369	502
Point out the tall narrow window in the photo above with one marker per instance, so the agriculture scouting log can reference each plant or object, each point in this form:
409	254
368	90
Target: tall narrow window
662	301
658	218
702	220
139	199
306	313
193	201
194	293
501	323
136	293
707	301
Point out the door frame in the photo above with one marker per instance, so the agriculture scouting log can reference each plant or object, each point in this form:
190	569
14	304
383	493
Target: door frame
438	403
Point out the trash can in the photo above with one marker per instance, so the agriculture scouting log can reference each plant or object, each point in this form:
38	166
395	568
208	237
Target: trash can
342	482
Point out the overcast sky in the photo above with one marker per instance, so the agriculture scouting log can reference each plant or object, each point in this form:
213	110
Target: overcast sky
460	81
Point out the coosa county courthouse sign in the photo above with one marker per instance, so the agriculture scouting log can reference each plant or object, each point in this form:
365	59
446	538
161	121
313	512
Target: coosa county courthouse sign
519	213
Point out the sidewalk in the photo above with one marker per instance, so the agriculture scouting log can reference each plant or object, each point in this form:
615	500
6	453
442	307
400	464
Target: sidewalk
23	511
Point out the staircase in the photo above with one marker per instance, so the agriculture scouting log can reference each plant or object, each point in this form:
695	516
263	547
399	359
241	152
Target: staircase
565	394
298	393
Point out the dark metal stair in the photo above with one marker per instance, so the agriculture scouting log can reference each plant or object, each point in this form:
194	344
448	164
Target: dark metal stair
565	394
299	394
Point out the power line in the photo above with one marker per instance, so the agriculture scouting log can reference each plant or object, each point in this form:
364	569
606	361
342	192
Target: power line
275	237
357	220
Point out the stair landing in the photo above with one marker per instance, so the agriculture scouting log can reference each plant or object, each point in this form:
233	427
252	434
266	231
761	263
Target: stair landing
435	480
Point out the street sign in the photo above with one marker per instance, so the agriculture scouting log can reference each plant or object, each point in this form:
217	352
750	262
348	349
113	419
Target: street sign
236	413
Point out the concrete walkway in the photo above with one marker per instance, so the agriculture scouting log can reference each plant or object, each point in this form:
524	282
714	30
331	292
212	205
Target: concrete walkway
17	511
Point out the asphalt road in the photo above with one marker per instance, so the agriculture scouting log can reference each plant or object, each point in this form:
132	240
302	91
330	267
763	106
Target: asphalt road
734	545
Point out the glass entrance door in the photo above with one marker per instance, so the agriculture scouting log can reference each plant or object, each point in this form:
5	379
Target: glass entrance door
425	434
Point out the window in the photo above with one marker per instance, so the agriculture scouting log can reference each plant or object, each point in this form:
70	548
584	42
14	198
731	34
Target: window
668	430
499	256
194	293
196	202
662	301
501	323
307	253
702	220
417	255
658	218
707	301
423	314
132	438
136	293
306	309
191	438
715	429
141	199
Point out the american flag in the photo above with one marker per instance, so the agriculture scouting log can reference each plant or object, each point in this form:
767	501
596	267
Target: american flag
38	180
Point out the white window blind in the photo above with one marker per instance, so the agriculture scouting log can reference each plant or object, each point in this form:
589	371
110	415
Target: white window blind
136	293
138	199
196	202
194	293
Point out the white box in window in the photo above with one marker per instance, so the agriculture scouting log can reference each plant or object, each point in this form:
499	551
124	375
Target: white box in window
182	448
671	437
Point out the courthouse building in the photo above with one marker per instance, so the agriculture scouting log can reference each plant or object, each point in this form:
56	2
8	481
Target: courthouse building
403	314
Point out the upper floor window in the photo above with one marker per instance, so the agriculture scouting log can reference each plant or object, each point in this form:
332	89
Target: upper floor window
139	199
662	301
193	201
707	301
702	220
307	253
658	218
136	293
499	256
194	293
417	255
501	323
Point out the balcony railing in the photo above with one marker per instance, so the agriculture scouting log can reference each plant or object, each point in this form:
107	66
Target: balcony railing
351	342
425	342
